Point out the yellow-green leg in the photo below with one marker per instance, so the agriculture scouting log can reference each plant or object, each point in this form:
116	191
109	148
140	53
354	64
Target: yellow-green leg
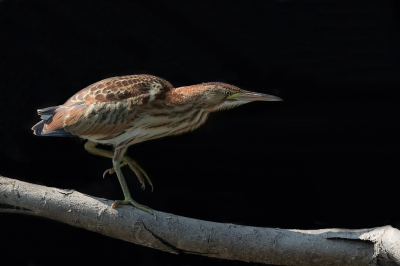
128	199
139	172
116	159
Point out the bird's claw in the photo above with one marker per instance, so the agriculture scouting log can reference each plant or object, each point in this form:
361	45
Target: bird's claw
128	201
107	171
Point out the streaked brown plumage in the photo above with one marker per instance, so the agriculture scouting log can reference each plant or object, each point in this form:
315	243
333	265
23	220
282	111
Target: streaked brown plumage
122	111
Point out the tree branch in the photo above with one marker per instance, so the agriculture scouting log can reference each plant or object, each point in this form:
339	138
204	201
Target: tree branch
175	234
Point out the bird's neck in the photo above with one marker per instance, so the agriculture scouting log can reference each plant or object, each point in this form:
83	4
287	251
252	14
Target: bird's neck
189	95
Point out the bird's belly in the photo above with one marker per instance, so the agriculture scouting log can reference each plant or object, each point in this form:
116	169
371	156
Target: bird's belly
151	127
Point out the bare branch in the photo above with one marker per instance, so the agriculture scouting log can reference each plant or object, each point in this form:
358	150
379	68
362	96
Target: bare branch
175	234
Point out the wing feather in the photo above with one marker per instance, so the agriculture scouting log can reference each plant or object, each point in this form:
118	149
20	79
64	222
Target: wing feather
104	108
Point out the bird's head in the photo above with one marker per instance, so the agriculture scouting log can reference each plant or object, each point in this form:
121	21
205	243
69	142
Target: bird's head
219	96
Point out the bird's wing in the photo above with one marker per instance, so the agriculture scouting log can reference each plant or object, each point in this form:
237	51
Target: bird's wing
106	107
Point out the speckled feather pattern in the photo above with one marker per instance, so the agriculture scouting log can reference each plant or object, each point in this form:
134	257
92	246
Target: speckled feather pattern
106	107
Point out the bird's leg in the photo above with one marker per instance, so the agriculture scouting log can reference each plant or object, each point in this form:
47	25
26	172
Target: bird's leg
126	160
140	173
118	154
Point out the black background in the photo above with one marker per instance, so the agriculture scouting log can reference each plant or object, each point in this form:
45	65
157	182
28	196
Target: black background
325	157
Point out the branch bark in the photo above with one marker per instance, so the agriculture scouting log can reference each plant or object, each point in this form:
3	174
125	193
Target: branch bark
175	234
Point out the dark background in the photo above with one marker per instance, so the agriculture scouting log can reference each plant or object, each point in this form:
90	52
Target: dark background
325	157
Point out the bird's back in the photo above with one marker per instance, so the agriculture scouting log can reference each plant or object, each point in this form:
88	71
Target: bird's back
103	109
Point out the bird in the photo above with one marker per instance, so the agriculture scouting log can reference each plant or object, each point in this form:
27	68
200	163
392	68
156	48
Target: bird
126	110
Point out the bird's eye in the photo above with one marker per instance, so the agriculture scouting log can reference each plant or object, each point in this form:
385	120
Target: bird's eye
228	93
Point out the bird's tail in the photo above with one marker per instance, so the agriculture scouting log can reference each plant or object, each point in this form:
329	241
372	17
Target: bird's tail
46	115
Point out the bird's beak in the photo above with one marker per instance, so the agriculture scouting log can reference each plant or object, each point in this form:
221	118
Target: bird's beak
249	96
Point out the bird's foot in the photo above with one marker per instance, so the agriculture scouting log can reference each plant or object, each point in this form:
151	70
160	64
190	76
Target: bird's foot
139	172
128	201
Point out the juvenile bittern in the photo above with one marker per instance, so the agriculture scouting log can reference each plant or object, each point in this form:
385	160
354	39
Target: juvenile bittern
122	111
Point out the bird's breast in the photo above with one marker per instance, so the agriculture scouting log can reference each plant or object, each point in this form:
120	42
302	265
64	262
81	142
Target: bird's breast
155	126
